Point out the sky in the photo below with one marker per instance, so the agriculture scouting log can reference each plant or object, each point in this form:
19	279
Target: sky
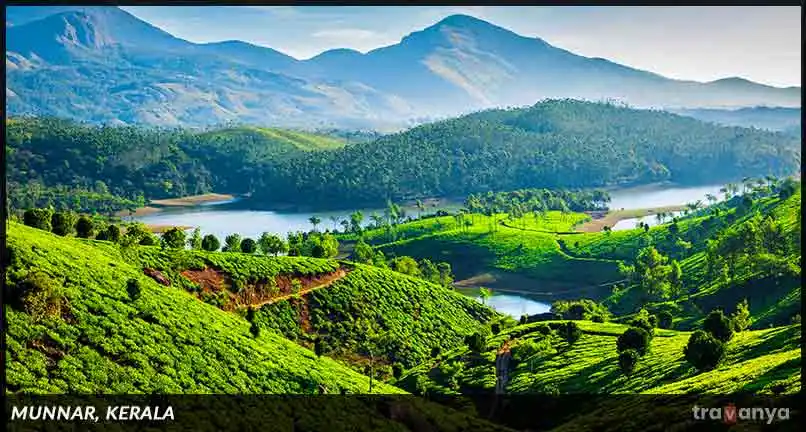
762	44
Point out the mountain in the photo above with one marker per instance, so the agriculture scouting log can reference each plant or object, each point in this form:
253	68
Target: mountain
102	64
776	118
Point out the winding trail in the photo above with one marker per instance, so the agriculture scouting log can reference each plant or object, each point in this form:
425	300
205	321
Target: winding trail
327	281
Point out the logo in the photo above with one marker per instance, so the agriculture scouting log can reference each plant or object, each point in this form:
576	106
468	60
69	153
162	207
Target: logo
729	414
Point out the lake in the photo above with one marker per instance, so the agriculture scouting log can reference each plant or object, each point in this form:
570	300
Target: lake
656	196
221	220
511	304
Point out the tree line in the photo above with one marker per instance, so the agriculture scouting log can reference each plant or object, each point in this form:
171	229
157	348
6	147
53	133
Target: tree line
559	144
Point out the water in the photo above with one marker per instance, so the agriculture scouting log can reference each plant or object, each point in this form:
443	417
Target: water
632	223
660	196
217	219
515	305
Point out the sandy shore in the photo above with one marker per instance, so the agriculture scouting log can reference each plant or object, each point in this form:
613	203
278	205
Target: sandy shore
159	229
189	201
610	218
142	211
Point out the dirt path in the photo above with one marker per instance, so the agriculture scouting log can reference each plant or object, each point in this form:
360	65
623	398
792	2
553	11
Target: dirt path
325	282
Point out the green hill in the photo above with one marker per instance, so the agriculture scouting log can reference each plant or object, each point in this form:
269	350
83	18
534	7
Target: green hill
351	311
553	144
90	168
74	327
759	362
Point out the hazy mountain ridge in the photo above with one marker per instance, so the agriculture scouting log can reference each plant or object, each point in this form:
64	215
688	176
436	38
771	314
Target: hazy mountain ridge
102	64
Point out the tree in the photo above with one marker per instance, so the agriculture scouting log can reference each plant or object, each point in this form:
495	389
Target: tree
429	271
335	220
232	243
634	338
475	342
570	331
363	253
704	351
644	321
210	243
113	233
136	233
195	240
665	319
173	238
741	317
84	227
133	288
62	223
248	246
38	218
485	293
315	221
356	218
406	265
627	360
445	275
718	325
271	244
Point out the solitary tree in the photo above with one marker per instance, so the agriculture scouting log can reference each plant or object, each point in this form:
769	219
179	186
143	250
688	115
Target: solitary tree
485	293
210	243
232	243
718	325
315	221
248	246
272	244
195	240
84	227
704	351
62	223
38	218
173	238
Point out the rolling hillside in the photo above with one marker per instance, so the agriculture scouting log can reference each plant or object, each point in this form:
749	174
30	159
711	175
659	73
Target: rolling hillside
89	63
552	144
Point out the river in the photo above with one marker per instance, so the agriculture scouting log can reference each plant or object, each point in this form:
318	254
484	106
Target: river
222	219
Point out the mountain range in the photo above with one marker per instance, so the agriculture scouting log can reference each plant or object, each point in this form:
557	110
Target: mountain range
101	64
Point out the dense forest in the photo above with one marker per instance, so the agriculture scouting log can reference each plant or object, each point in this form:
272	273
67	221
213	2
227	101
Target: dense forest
554	144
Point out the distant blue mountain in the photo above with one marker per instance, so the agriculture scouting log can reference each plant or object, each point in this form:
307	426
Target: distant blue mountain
103	64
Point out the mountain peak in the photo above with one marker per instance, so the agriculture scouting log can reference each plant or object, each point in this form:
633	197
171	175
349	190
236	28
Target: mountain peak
462	20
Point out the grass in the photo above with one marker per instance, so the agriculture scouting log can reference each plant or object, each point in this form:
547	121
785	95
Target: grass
165	341
760	361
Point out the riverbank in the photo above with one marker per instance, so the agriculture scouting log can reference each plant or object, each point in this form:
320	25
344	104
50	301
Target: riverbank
159	229
193	200
611	218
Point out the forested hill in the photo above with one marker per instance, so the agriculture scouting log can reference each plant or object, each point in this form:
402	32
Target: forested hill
553	144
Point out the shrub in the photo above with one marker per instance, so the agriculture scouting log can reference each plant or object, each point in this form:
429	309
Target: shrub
665	319
62	223
38	218
634	338
524	319
475	342
210	243
740	319
584	309
84	227
627	360
318	251
644	321
174	238
148	239
397	370
704	351
41	296
718	325
133	288
248	246
570	332
113	233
